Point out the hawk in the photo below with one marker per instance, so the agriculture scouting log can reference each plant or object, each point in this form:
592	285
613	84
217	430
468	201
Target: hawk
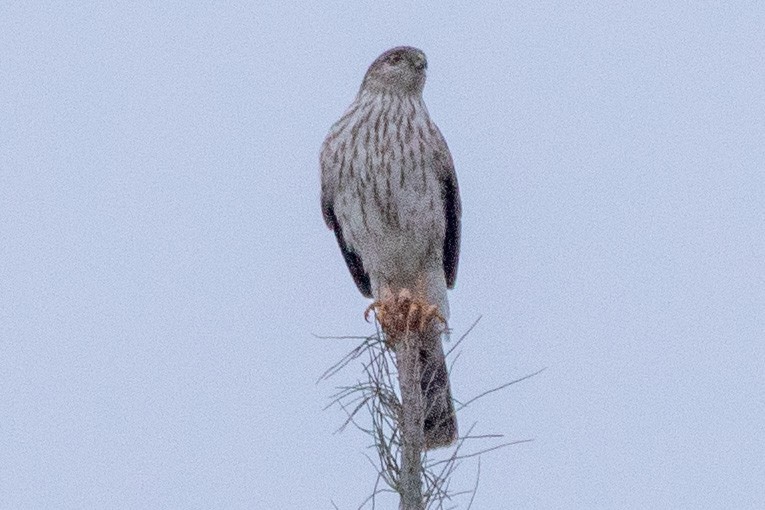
389	192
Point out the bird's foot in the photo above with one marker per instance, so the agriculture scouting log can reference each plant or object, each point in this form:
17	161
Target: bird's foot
417	313
384	310
402	314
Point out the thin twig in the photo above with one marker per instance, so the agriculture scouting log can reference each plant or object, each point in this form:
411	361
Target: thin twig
501	387
377	394
475	487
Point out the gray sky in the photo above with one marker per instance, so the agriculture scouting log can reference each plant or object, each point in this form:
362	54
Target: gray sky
164	265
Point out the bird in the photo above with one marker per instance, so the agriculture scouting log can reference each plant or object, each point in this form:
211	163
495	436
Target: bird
389	193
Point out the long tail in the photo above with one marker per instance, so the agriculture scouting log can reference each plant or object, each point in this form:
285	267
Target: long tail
440	422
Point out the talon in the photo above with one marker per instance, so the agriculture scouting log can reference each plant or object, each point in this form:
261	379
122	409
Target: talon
369	309
441	319
401	314
427	316
412	313
380	309
385	315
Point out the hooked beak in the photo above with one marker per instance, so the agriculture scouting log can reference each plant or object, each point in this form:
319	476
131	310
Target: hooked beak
420	62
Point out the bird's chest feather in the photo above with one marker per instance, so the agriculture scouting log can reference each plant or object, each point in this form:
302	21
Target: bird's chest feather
388	201
392	196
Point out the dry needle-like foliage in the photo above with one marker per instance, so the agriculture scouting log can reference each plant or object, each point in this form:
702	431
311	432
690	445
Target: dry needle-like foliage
373	405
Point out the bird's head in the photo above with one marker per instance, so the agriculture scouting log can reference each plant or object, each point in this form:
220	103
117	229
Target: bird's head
399	70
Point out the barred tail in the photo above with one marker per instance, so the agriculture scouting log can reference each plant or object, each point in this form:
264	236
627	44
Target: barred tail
440	421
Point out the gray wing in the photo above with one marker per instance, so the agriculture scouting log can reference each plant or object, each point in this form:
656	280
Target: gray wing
352	259
450	196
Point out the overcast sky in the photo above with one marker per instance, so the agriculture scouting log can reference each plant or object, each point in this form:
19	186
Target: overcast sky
164	267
